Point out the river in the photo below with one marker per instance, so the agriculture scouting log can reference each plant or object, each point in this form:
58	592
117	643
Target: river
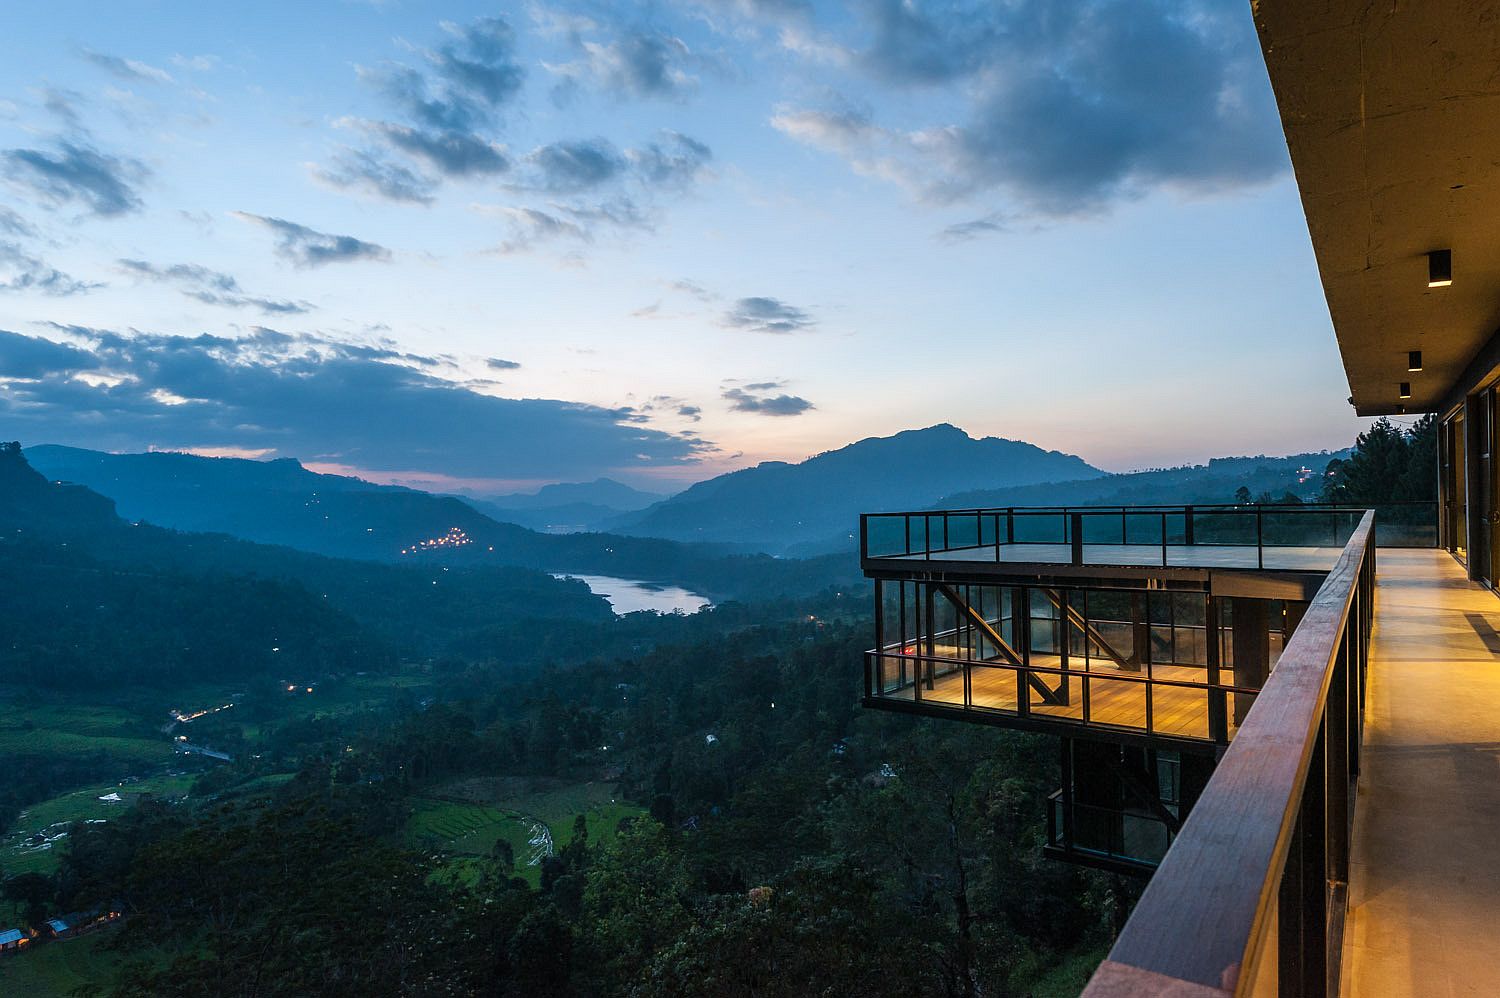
629	595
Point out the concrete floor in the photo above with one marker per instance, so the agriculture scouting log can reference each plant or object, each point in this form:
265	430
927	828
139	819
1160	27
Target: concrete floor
1424	915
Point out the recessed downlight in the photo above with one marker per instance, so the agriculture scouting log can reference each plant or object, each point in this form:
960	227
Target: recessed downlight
1439	268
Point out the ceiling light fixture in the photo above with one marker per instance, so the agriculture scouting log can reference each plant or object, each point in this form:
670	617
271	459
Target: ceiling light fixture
1439	268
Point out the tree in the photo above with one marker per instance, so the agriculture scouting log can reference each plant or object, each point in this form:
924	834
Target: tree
1388	465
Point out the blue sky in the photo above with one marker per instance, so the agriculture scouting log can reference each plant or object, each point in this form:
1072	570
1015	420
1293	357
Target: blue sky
506	244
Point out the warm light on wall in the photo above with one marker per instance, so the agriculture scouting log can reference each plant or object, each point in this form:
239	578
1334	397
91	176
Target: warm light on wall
1439	268
1414	360
1405	390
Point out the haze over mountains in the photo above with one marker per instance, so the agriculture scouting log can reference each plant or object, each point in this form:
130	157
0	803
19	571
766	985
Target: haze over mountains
809	508
568	506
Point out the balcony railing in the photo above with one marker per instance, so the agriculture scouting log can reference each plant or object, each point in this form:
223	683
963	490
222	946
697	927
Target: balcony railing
1133	839
1306	537
1250	898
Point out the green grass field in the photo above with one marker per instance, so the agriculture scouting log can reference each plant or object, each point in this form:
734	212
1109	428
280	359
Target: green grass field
56	969
465	831
81	729
77	805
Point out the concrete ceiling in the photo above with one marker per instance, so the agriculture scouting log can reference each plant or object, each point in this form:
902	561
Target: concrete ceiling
1392	114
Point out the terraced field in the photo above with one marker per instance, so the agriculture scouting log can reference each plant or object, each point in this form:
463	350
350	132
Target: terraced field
465	830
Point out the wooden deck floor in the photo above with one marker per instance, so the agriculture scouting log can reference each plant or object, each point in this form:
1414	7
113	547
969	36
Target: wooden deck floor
1111	697
1425	878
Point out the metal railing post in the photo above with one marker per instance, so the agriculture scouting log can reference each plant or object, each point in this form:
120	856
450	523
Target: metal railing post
1020	613
1303	944
1075	522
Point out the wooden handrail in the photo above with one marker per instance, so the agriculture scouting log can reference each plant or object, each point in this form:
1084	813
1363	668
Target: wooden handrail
1200	926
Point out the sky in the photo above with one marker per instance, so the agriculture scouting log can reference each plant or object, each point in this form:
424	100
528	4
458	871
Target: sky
490	246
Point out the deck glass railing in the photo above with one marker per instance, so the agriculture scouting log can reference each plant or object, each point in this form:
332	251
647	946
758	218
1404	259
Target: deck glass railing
1089	830
1308	536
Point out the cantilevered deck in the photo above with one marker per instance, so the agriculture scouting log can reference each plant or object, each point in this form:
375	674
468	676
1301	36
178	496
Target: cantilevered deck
1154	624
1424	885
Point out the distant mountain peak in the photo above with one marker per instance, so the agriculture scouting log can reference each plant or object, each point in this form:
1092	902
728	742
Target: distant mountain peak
776	505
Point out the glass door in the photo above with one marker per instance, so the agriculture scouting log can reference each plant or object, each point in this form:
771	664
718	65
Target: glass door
1484	488
1460	489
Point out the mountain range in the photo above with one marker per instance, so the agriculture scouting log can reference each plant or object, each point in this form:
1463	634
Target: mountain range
566	507
699	538
282	503
776	506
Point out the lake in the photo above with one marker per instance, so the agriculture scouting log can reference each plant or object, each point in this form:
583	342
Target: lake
629	595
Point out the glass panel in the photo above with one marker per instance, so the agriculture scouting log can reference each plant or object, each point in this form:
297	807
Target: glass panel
1117	702
993	687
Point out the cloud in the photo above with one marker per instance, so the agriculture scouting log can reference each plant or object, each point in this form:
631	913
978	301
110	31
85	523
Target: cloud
452	153
127	69
675	161
974	228
306	247
376	174
313	397
575	165
196	63
577	223
530	226
211	287
767	315
627	187
63	105
24	356
449	101
19	271
638	63
1063	108
14	224
463	83
697	291
844	131
752	398
499	364
769	10
693	412
75	172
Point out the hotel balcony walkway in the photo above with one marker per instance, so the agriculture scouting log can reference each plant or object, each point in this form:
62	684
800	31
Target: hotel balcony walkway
1425	866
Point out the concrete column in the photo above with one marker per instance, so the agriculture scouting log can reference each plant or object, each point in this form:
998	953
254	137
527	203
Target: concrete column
1251	642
